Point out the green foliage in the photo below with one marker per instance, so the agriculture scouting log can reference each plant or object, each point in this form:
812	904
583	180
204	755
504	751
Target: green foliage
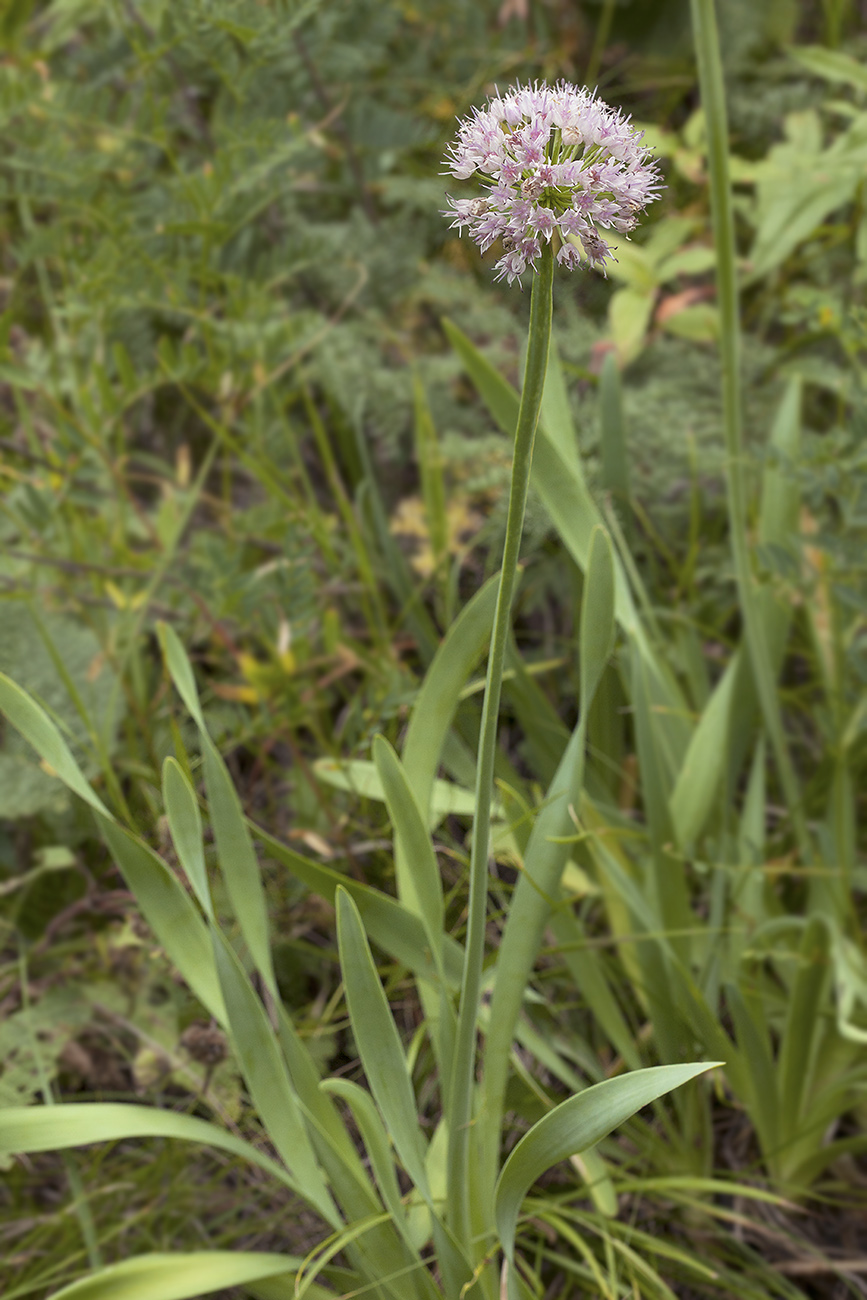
225	315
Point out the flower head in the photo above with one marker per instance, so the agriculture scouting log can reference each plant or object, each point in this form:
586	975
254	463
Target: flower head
558	164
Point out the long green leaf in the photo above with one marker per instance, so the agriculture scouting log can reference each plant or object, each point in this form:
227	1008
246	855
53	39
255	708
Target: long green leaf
596	637
419	880
266	1076
185	824
235	852
379	1152
27	1129
712	88
170	912
724	733
379	1043
36	727
558	479
804	1025
573	1127
183	1276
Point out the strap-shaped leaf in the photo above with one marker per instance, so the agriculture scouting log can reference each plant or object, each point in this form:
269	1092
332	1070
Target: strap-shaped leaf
26	1129
170	912
185	824
804	1024
379	1151
235	851
184	1276
181	671
266	1076
597	615
438	697
556	478
379	1043
36	727
573	1127
419	879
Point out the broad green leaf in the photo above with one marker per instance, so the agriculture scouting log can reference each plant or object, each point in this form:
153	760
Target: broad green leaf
265	1073
183	1276
632	265
379	1043
575	515
573	1127
597	616
437	701
38	730
185	824
799	185
26	1129
170	912
378	1253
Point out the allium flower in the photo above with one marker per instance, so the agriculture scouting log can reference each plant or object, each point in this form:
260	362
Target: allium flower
558	164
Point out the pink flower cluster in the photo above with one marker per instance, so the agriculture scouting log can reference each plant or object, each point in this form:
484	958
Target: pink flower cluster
559	163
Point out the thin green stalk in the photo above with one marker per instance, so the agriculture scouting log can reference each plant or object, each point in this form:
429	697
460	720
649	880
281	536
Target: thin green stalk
460	1089
712	86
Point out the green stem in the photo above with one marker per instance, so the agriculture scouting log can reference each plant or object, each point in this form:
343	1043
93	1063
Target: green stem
712	86
461	1084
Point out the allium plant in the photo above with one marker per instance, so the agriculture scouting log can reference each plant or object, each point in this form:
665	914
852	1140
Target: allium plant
559	164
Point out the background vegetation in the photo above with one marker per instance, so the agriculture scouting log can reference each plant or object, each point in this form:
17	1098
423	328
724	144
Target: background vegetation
230	401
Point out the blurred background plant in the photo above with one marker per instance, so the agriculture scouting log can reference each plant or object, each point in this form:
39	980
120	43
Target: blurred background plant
228	402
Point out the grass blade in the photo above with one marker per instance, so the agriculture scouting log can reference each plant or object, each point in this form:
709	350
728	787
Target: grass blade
235	852
185	824
171	914
182	1276
438	697
27	1129
267	1079
419	882
378	1042
36	727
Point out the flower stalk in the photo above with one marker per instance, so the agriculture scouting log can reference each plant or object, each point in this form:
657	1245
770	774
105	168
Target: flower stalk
460	1091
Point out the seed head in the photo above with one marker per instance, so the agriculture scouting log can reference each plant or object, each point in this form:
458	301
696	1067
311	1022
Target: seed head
558	164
